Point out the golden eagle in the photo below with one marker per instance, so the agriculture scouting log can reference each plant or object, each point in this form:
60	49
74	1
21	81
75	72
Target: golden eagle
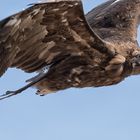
70	49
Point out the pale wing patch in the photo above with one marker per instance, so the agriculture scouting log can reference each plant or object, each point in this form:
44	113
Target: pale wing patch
36	11
51	57
49	45
26	21
78	38
14	21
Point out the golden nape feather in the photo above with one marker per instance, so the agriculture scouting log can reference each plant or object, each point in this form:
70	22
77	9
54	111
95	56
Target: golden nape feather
70	49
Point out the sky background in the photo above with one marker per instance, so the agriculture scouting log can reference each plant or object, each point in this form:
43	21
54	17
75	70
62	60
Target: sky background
107	113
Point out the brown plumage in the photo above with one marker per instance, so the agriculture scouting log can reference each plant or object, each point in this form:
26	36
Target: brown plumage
69	49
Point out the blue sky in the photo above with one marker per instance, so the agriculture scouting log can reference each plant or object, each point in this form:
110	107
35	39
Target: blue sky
107	113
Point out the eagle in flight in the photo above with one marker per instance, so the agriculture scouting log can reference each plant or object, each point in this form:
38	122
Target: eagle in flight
70	49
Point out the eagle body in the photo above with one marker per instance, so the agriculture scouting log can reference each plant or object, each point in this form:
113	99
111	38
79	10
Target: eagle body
71	49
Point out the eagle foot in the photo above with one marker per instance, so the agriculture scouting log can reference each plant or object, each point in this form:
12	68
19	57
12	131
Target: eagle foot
43	92
38	93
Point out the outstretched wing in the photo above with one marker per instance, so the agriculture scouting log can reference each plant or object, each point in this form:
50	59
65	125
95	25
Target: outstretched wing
45	34
116	19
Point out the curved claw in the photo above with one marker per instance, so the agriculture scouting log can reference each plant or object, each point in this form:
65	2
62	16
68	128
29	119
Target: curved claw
38	93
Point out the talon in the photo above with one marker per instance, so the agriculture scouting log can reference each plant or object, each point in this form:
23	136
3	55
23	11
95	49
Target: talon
37	92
